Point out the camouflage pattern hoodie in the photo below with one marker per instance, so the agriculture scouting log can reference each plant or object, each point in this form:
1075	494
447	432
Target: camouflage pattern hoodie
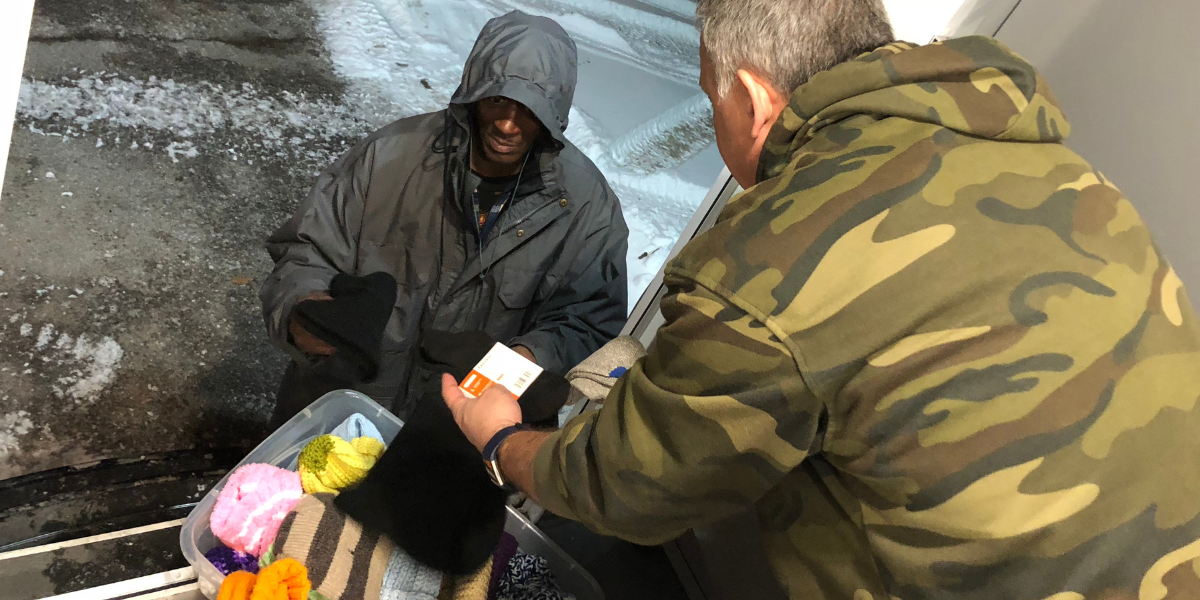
937	352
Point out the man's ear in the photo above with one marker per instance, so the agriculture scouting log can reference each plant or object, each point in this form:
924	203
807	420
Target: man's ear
765	101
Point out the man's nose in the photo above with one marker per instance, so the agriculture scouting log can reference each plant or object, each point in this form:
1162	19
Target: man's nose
507	123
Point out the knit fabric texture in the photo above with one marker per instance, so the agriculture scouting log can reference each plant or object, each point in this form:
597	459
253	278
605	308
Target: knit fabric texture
329	463
281	580
467	587
407	579
344	561
227	560
430	494
505	551
284	579
237	586
597	374
356	426
253	503
528	578
352	322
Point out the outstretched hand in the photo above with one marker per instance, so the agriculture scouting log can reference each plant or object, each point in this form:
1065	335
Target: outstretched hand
481	418
305	341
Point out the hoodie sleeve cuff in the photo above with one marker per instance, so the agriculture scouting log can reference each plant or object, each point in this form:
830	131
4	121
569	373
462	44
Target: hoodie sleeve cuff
283	313
542	344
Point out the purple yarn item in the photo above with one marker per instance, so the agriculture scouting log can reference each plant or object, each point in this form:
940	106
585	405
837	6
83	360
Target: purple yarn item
228	560
505	551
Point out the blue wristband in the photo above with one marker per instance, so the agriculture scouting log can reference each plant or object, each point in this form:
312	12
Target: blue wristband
492	448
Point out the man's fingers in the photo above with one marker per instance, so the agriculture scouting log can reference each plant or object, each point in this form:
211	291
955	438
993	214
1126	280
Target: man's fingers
321	296
321	348
499	389
307	342
453	396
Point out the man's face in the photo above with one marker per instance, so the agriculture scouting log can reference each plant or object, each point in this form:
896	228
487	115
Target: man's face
733	121
507	129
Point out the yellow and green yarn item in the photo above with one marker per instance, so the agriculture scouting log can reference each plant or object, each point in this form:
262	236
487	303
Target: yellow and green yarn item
329	463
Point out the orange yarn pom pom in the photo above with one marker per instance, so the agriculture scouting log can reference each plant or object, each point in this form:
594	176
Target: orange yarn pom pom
284	579
237	586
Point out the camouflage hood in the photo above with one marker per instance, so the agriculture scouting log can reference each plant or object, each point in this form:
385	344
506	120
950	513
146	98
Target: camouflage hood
973	85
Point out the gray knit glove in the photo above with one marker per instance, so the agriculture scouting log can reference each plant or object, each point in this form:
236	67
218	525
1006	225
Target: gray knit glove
597	374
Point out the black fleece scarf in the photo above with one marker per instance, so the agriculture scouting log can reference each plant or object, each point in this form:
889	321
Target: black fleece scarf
353	323
458	353
431	494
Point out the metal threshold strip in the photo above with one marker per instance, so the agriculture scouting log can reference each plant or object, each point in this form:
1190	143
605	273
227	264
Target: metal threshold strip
178	584
174	584
89	540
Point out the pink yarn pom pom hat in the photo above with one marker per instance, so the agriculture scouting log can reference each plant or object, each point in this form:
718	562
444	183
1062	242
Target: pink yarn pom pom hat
252	505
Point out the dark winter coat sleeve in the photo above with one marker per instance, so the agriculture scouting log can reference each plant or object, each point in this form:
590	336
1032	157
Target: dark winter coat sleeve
589	307
318	242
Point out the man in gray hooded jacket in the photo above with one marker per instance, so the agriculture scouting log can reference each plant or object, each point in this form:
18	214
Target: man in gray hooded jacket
485	215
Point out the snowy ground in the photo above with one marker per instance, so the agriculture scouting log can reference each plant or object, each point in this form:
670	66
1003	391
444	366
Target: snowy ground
158	143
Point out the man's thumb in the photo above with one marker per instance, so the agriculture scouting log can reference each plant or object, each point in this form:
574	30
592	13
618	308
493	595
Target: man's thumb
450	392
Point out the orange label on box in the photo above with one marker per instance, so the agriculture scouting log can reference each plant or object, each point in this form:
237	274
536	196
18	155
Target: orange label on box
504	366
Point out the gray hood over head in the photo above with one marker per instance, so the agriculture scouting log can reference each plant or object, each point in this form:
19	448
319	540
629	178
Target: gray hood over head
529	59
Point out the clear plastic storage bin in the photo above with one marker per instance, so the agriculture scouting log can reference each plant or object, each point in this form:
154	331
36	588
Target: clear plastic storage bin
282	450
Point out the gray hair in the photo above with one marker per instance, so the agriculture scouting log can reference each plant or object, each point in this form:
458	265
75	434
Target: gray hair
788	41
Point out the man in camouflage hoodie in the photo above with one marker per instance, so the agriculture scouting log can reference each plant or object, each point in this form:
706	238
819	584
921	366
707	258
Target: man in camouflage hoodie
937	352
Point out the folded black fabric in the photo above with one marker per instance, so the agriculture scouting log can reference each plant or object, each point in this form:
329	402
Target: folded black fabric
353	323
543	399
458	353
431	494
455	353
